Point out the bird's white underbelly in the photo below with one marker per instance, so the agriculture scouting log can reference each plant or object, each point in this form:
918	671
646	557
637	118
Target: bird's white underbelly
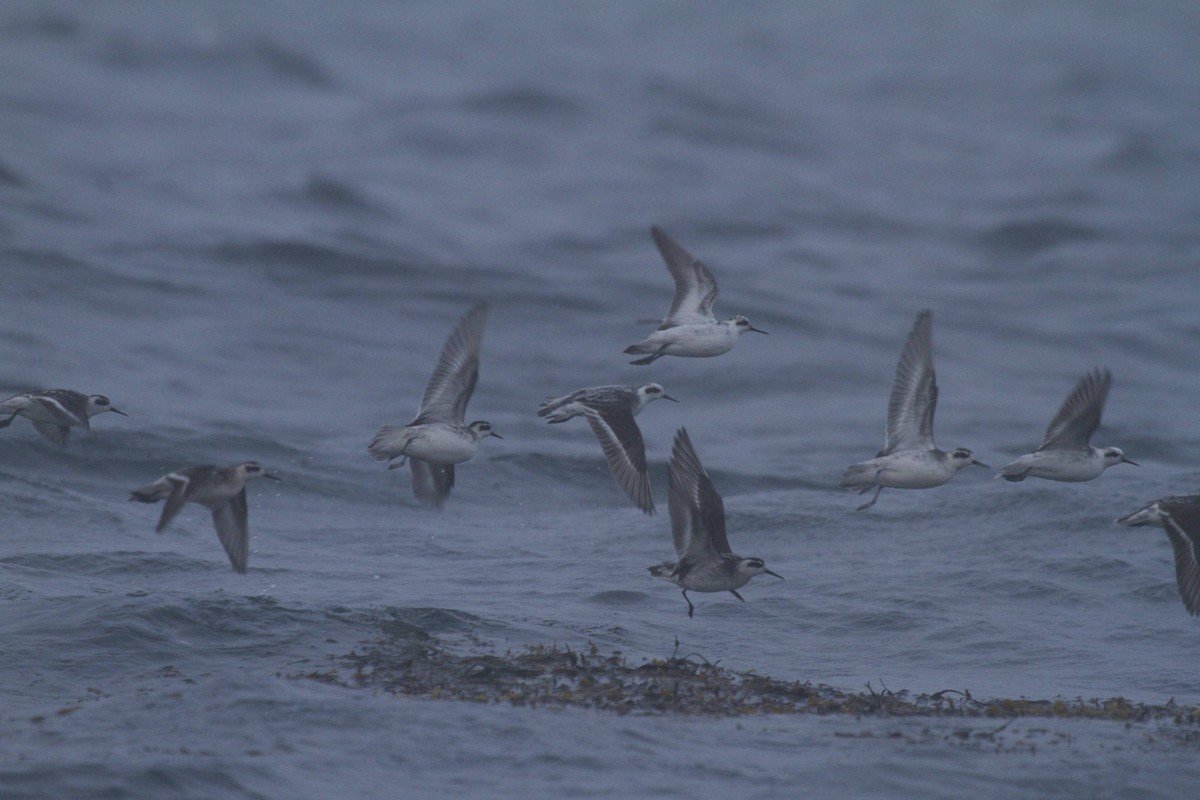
1059	466
440	446
694	341
912	474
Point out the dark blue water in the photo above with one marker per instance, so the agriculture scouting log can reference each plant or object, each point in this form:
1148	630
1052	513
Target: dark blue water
253	225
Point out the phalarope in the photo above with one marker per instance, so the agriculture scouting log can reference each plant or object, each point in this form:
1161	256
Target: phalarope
909	459
1180	518
54	412
610	411
437	439
222	490
698	531
1065	454
689	329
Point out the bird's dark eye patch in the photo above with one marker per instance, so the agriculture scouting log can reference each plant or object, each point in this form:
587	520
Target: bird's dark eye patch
960	453
1113	454
101	401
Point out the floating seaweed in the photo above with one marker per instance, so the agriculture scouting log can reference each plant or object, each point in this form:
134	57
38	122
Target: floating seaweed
561	677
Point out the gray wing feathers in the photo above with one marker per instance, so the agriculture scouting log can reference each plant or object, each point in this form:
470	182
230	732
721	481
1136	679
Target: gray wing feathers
625	451
431	483
67	406
679	506
914	392
598	397
1074	424
697	511
59	434
695	287
553	404
457	371
175	500
1182	524
230	518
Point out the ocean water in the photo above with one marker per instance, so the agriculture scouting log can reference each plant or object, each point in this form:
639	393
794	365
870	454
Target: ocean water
253	225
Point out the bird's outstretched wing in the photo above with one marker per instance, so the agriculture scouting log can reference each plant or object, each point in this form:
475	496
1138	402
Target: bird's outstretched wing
695	287
1181	521
453	380
914	392
625	451
1074	424
697	511
180	483
431	483
230	518
59	434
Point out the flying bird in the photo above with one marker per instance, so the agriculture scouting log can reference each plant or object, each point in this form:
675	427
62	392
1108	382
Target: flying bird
689	329
1179	516
222	490
437	439
1065	453
909	459
610	410
705	562
54	412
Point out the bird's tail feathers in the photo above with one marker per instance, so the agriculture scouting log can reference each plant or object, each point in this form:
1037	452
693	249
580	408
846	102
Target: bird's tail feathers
859	476
150	493
388	443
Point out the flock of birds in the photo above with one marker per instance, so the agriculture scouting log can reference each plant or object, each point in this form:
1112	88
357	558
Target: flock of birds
438	438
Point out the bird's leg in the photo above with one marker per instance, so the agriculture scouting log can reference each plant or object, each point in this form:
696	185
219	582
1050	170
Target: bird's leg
738	596
691	608
873	484
401	455
641	362
865	506
7	422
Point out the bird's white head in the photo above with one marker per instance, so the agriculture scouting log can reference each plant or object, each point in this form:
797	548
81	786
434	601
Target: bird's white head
98	404
253	469
741	325
482	430
1115	455
652	391
751	566
962	457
